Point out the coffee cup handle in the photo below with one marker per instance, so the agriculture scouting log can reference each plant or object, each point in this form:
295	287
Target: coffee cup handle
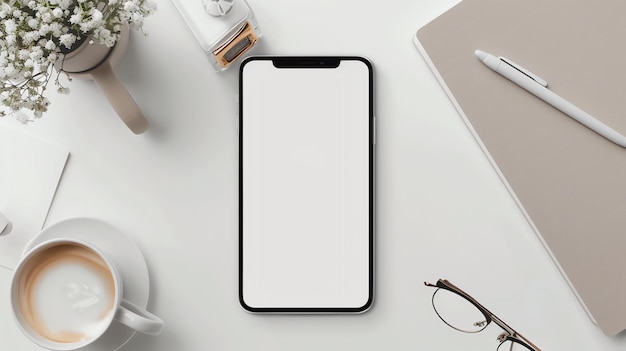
5	224
138	318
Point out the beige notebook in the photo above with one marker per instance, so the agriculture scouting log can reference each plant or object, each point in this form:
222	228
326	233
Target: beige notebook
569	181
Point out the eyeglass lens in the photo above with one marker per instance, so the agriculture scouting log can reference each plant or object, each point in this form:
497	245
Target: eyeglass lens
458	313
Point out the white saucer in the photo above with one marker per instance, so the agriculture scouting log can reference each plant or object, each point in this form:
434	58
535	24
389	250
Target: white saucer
124	253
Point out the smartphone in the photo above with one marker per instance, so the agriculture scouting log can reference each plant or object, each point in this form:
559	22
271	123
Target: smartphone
306	184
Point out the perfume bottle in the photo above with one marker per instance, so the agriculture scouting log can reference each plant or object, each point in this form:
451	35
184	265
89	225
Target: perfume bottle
225	29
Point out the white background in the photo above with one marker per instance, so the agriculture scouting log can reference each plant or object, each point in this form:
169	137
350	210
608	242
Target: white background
442	211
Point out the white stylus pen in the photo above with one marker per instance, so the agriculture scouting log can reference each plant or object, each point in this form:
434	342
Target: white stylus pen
538	87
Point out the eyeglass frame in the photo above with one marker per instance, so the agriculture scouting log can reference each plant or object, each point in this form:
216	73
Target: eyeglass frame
509	333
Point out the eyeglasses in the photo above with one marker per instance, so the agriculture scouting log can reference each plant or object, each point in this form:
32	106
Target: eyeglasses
463	313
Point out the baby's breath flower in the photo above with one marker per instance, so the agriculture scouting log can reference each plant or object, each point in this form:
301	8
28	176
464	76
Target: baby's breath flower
50	45
64	4
44	28
10	39
23	54
56	29
33	23
57	12
77	17
36	53
67	40
46	17
130	6
52	57
10	26
33	33
96	16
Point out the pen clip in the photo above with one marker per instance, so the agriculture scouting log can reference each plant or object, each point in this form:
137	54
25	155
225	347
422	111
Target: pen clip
523	70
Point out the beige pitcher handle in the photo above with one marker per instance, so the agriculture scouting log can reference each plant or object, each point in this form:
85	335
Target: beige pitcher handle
124	104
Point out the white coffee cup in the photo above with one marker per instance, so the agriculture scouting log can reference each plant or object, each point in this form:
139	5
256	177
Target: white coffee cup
65	293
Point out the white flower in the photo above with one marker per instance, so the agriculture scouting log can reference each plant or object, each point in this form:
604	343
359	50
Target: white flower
10	39
50	45
23	54
67	40
106	37
44	28
77	17
57	12
96	15
10	26
56	29
64	4
30	37
46	17
130	6
52	58
33	23
36	53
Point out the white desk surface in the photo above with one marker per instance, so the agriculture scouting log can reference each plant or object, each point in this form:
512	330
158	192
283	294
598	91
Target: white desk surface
442	211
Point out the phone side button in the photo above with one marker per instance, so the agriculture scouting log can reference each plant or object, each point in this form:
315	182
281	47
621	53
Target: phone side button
374	130
237	114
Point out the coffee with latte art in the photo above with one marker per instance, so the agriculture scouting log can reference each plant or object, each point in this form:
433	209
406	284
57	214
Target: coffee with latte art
66	293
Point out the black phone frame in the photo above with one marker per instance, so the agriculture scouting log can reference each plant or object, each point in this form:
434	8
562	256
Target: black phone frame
312	62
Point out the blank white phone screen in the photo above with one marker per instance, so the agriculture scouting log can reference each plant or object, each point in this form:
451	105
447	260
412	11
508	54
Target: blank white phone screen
305	188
